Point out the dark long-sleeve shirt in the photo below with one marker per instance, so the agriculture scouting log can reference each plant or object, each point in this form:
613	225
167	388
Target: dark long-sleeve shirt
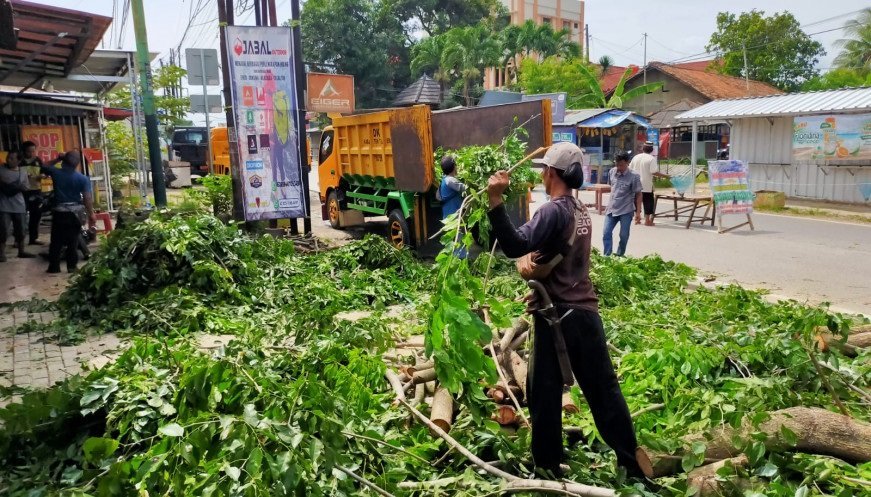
547	234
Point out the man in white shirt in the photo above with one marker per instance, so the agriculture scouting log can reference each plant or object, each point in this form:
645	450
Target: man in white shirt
646	166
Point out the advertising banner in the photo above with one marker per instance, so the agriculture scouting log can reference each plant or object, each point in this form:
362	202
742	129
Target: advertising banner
833	137
263	82
330	93
49	140
730	186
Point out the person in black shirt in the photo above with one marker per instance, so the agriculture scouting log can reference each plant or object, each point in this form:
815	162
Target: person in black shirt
559	237
34	198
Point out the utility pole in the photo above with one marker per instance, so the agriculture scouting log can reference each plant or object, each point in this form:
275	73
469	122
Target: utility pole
644	76
148	104
746	71
225	18
587	30
300	98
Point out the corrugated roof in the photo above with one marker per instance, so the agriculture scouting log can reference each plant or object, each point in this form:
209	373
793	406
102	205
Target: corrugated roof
793	104
573	117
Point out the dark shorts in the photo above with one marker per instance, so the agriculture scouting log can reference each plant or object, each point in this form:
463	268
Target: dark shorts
648	201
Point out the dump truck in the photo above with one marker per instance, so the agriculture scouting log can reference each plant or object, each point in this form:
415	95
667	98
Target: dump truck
381	163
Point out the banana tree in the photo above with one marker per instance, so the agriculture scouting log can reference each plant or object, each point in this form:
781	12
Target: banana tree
597	99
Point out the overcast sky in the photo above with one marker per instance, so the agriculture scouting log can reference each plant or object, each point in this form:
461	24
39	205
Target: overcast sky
676	28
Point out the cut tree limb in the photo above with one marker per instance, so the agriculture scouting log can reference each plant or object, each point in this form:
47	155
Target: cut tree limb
395	384
851	347
817	431
518	342
559	487
706	481
442	412
517	366
505	415
569	404
520	327
419	394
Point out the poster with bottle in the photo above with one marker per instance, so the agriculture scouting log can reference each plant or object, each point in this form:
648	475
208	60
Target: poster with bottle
843	137
263	83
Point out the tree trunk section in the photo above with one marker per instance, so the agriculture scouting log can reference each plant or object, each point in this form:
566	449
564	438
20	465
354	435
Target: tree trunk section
442	412
705	481
817	431
517	366
505	415
855	341
569	405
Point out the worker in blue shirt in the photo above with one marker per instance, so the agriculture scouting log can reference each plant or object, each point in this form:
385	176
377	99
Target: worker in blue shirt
450	193
73	204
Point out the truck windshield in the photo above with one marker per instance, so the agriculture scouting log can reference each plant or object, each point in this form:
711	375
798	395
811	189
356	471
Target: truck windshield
189	137
326	146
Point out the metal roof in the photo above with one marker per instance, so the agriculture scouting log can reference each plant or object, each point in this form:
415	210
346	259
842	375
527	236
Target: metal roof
573	117
850	100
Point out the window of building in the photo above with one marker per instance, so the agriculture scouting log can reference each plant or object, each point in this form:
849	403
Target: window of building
545	20
576	25
567	25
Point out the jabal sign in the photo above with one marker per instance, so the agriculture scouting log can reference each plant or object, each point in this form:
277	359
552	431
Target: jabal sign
330	93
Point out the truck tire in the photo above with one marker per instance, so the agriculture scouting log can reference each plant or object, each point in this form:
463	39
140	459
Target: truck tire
334	209
398	231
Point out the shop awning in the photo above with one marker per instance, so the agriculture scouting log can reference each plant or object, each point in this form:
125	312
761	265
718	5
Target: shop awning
49	42
613	117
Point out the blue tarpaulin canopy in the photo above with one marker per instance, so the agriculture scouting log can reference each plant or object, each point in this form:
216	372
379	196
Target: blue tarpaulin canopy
613	117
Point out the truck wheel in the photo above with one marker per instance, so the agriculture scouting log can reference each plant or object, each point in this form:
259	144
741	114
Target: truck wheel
333	209
398	232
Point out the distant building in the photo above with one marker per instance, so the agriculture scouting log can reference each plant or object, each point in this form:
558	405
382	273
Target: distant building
561	14
684	87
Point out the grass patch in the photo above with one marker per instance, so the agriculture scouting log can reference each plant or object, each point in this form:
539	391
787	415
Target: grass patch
816	213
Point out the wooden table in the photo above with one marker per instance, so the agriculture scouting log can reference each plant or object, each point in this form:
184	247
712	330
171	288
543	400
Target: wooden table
600	189
691	210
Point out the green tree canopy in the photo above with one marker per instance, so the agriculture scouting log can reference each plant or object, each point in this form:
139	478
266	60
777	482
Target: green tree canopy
438	16
579	81
778	51
467	52
363	38
838	78
171	111
856	48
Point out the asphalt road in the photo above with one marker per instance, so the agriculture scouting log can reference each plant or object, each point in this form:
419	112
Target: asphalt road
805	259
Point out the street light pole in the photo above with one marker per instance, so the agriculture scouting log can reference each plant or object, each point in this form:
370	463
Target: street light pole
148	103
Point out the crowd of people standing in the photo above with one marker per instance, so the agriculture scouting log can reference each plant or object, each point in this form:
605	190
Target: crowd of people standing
23	203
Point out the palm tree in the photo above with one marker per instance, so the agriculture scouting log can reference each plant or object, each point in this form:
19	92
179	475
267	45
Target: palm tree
427	56
595	98
467	51
605	63
856	50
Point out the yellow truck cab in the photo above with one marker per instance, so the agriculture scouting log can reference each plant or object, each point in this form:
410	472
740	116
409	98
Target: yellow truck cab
381	163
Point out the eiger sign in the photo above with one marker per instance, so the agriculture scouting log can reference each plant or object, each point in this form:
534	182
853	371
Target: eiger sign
330	93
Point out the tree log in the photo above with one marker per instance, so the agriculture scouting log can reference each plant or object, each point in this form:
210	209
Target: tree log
851	348
505	415
705	480
569	404
518	342
558	487
499	393
520	327
410	370
517	366
419	394
817	431
423	376
442	412
395	384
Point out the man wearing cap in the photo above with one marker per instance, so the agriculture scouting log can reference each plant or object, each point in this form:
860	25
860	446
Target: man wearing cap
554	249
646	166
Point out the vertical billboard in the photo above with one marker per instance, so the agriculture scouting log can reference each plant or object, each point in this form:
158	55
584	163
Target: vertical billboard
330	93
265	109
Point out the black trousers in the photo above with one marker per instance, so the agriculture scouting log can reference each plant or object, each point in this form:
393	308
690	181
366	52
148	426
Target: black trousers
65	232
591	364
17	221
34	199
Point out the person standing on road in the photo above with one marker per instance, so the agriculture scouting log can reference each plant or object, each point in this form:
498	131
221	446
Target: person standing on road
13	184
73	204
34	198
450	191
625	200
554	249
647	167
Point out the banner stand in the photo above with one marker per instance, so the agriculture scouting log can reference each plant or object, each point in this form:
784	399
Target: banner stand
721	230
730	192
